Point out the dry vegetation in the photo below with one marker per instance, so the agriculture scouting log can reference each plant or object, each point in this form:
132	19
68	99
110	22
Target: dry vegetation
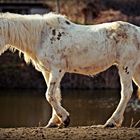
98	11
79	133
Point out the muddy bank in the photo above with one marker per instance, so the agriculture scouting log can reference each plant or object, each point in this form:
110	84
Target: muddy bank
72	133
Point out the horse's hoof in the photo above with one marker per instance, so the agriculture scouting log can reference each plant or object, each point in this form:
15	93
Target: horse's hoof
52	125
66	121
110	125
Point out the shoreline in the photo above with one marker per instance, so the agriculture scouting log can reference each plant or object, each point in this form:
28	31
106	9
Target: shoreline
70	133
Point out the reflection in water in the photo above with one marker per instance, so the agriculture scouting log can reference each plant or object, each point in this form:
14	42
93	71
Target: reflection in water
29	108
23	108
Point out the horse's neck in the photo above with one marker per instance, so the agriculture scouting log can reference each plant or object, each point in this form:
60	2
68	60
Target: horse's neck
23	35
11	38
19	35
16	36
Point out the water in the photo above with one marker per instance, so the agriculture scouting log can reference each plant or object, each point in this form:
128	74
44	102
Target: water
29	108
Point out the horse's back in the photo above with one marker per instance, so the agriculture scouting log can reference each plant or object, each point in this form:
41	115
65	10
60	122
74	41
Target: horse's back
99	46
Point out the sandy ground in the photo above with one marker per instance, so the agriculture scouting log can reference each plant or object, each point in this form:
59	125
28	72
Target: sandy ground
72	133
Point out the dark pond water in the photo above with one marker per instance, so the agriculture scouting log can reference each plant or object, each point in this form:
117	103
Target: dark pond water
29	108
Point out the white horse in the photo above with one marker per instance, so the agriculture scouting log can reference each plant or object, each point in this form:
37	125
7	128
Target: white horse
55	45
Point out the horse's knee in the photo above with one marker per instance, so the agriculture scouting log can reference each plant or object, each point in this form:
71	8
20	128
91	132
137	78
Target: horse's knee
50	98
50	94
53	98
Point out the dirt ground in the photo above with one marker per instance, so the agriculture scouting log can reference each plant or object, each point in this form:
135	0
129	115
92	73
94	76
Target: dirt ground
71	133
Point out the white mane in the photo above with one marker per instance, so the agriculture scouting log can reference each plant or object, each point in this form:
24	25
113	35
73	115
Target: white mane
21	32
25	31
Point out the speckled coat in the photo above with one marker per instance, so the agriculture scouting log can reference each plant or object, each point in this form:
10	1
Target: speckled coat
56	45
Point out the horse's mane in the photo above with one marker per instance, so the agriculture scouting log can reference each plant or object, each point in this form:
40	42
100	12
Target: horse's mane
54	20
22	31
14	16
25	30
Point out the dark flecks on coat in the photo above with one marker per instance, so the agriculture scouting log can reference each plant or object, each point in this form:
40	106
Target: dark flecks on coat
59	36
56	35
126	70
54	32
118	34
67	22
52	39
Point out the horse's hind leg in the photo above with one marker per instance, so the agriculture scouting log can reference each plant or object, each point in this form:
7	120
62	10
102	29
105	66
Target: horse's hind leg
125	73
136	76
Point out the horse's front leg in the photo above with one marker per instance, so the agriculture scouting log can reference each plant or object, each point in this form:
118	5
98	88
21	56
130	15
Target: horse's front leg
54	121
59	116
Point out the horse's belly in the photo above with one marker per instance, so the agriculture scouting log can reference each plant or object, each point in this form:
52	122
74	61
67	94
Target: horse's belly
91	62
92	68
